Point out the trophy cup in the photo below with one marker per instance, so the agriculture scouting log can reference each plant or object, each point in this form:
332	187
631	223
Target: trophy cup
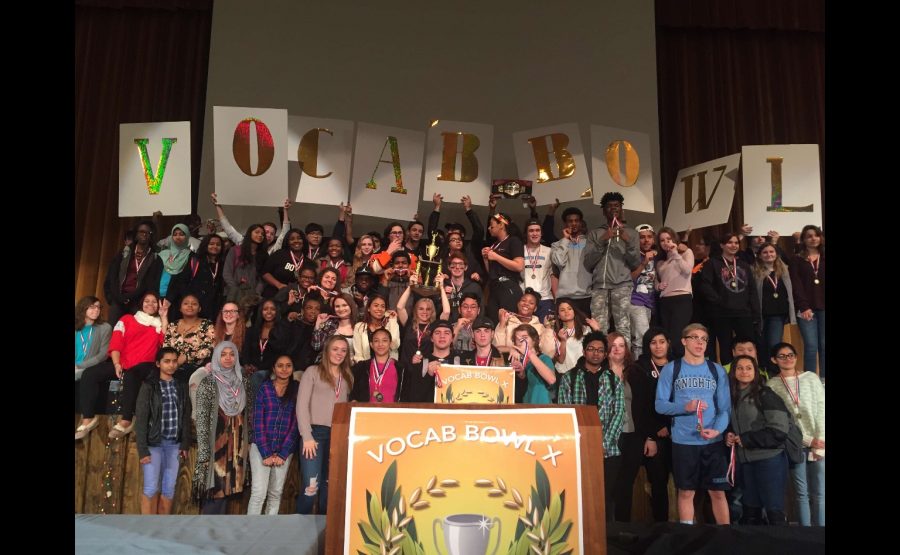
431	264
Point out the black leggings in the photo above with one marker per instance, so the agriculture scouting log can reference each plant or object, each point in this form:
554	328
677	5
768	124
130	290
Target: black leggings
95	377
674	315
657	467
722	329
503	294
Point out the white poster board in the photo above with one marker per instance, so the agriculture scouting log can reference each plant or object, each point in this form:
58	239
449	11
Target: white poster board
154	168
703	194
553	159
323	149
376	188
622	161
458	161
782	187
250	155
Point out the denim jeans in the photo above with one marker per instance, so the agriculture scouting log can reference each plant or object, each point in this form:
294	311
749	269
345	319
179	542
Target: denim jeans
773	331
163	462
640	323
813	333
764	482
314	473
809	489
267	483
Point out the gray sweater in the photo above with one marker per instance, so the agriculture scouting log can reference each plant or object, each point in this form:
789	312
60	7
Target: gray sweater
99	347
763	427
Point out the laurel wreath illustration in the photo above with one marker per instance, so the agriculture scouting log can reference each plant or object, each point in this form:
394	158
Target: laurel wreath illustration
391	528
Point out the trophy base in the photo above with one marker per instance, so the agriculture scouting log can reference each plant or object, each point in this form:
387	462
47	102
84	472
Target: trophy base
426	290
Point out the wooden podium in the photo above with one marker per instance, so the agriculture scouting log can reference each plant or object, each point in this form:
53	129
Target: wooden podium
591	459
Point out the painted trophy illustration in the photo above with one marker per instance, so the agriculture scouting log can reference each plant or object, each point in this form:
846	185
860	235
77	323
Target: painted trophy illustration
429	267
466	534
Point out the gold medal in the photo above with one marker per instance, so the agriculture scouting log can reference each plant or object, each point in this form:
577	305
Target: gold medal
816	281
775	295
734	285
533	276
379	397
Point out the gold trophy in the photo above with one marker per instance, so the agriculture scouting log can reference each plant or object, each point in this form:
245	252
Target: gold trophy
428	262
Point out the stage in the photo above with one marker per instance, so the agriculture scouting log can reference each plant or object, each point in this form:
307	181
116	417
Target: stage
304	535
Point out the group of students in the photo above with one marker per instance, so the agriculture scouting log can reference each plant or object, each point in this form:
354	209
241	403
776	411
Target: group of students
254	347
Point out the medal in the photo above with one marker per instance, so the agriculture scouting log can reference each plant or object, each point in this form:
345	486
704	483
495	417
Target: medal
732	272
816	281
419	336
378	377
533	258
774	283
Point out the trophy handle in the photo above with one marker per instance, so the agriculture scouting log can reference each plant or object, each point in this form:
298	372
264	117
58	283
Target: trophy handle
496	545
434	527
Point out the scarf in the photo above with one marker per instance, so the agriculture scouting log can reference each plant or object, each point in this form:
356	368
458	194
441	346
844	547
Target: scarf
145	319
174	257
229	382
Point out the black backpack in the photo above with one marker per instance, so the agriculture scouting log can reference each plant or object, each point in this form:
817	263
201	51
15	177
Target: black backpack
793	445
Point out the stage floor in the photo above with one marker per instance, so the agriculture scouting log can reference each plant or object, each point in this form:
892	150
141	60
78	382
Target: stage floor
174	535
305	535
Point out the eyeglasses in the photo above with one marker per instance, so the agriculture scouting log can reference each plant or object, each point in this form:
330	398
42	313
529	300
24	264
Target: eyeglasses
699	338
229	312
595	350
785	356
396	233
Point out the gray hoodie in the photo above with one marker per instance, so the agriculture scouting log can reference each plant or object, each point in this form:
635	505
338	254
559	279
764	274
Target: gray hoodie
574	279
611	261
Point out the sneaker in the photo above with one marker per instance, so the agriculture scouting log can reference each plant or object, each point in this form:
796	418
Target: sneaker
119	432
84	429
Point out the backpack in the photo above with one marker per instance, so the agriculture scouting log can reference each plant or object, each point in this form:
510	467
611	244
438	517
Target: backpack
793	445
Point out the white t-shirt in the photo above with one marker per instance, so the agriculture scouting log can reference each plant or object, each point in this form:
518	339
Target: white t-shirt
537	264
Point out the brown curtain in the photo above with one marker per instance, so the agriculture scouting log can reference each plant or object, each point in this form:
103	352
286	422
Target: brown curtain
135	61
733	73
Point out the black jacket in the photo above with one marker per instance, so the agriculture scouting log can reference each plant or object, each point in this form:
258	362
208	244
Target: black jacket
147	278
148	415
361	392
197	279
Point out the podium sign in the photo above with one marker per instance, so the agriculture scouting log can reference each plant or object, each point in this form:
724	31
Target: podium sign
494	385
463	482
